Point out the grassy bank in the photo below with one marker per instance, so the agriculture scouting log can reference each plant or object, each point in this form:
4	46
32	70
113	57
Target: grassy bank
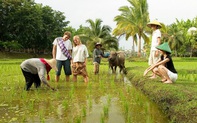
177	100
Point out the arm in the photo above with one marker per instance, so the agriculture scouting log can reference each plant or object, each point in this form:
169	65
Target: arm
86	55
95	53
70	52
86	60
54	51
160	62
49	86
70	48
41	74
158	43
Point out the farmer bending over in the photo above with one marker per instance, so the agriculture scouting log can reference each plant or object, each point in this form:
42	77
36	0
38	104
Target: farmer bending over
34	70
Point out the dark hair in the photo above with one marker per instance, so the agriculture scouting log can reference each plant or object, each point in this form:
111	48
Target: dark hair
157	26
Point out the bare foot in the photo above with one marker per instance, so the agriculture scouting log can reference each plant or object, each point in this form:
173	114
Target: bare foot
168	82
86	79
163	80
153	77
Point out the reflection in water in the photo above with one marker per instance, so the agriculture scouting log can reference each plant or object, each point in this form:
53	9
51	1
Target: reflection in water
108	98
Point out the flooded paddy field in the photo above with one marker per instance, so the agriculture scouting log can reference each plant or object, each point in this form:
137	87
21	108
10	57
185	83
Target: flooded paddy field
106	98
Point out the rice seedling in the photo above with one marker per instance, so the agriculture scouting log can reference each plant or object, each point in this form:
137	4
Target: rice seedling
84	113
102	119
31	104
128	119
41	116
71	92
65	104
109	100
89	102
126	108
78	119
105	111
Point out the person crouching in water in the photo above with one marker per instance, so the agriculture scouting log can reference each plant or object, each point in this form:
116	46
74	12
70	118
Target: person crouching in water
164	67
34	70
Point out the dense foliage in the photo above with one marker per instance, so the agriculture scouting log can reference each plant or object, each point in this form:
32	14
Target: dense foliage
27	25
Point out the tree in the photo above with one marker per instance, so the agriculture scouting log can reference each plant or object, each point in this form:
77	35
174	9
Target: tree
175	38
192	38
53	23
132	21
31	25
98	33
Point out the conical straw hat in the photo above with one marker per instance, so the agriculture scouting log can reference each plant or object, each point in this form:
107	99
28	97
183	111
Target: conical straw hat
155	22
164	47
52	63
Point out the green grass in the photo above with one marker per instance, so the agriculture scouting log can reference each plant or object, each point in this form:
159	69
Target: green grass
178	100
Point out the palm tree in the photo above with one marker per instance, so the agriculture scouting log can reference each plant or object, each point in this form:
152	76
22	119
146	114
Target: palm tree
132	22
175	38
192	38
98	33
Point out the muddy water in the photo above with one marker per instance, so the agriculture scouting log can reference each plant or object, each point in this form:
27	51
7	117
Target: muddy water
107	98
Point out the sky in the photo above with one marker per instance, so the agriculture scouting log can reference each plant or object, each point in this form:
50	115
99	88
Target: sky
78	11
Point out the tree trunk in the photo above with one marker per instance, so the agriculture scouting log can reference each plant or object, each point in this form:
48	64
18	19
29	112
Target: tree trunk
176	52
139	47
133	47
191	52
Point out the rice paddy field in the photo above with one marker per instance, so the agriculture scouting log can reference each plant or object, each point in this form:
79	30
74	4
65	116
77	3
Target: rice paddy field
106	98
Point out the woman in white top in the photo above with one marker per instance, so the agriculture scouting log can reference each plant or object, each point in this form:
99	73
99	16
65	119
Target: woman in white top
79	59
156	40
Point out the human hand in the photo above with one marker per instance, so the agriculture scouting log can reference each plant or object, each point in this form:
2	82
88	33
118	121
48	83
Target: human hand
156	53
53	89
145	72
84	63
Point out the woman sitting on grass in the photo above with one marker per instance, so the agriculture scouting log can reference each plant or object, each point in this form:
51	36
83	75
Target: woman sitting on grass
164	67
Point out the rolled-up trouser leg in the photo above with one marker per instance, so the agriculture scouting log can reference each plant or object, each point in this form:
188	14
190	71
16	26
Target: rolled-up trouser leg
96	67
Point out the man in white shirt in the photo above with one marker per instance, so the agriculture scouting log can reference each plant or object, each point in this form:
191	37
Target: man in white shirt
63	57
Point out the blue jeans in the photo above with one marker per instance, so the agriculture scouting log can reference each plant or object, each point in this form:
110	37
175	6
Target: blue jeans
66	66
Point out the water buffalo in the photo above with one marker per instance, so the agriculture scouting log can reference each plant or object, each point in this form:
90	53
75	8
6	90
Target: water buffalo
117	59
